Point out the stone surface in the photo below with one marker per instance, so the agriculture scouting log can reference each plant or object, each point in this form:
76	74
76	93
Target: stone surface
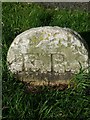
47	53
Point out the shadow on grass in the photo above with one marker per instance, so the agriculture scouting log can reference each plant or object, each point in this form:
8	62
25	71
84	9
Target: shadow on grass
86	36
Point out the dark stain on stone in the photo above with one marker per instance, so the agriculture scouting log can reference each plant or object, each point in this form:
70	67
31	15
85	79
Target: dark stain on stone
49	76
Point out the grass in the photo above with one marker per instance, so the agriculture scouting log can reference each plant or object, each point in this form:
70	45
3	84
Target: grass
18	102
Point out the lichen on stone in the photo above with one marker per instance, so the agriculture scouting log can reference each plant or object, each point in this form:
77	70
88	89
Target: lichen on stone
49	51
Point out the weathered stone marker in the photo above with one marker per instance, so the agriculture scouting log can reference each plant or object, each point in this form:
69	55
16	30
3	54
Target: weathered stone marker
47	54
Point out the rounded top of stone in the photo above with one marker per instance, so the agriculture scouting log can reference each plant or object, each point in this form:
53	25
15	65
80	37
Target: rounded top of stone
45	39
47	49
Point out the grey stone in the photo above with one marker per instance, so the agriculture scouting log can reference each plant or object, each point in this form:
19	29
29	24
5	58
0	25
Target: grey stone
47	53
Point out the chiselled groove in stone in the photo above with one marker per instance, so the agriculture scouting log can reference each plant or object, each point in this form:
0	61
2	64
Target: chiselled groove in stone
52	69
